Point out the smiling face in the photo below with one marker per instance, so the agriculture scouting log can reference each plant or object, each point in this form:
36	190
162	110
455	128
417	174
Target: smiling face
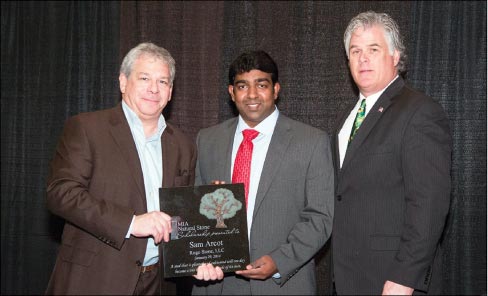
148	88
371	64
254	94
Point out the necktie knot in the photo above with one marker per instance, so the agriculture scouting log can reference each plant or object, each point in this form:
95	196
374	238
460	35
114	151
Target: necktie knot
250	134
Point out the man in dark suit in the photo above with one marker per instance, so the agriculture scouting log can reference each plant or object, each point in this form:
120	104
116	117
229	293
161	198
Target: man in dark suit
104	182
392	153
290	192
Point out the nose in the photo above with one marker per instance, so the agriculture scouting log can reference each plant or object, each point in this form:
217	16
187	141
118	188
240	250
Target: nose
363	57
253	93
153	87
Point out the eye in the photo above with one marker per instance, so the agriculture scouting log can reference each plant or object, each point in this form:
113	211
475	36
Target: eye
144	78
262	85
241	86
164	82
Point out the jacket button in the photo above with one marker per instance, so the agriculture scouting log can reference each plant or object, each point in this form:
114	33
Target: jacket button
339	197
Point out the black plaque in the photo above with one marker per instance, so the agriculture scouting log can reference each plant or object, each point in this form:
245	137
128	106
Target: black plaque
209	225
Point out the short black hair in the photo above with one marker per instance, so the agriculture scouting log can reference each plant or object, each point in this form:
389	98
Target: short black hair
253	60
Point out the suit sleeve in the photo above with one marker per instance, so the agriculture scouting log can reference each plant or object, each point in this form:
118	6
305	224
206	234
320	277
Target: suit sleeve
198	175
193	161
426	162
311	233
67	189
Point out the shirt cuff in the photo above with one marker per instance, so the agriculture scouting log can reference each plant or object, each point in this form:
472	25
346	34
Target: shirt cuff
130	227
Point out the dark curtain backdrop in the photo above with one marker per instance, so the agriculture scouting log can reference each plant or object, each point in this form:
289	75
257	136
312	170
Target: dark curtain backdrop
62	58
58	59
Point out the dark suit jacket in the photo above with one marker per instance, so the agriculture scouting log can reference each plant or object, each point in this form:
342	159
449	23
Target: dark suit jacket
96	185
292	217
392	195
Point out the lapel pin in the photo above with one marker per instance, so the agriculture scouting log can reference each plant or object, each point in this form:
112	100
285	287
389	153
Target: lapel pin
380	110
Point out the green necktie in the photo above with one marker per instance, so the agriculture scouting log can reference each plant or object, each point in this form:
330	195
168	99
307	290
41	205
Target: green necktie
359	119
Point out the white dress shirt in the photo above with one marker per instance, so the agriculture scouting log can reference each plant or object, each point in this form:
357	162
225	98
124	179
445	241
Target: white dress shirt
347	127
260	149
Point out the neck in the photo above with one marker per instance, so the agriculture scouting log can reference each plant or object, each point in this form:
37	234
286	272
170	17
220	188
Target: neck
150	126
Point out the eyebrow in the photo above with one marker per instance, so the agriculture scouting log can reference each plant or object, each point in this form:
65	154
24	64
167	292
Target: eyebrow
374	44
368	45
256	80
145	73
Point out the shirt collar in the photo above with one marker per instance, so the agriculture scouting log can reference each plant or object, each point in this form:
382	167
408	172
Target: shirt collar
375	96
265	127
371	100
135	122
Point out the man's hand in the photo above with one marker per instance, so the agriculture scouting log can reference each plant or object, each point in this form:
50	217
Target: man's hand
155	224
218	182
207	272
391	288
260	269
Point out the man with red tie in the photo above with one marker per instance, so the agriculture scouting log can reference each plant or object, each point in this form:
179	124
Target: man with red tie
286	167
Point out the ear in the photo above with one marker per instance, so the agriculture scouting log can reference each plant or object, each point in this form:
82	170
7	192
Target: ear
122	82
276	88
231	92
170	93
396	57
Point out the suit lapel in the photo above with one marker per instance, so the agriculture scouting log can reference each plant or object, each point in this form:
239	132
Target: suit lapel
274	158
120	130
374	115
335	144
170	156
228	142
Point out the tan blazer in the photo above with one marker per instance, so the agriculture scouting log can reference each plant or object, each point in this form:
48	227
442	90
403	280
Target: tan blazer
95	183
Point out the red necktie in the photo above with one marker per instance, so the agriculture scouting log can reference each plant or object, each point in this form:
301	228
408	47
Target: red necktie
242	163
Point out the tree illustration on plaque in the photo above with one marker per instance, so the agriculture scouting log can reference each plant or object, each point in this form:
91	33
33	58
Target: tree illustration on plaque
219	205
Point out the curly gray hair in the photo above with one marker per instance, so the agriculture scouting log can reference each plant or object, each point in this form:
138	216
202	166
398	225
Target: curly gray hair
392	33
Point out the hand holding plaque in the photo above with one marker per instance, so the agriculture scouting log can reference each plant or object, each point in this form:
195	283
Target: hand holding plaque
209	225
208	272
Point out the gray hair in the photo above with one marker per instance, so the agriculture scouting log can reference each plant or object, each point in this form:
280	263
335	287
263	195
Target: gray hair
391	31
152	50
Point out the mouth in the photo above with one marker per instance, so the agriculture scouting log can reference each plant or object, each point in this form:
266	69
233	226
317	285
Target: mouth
253	106
150	100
